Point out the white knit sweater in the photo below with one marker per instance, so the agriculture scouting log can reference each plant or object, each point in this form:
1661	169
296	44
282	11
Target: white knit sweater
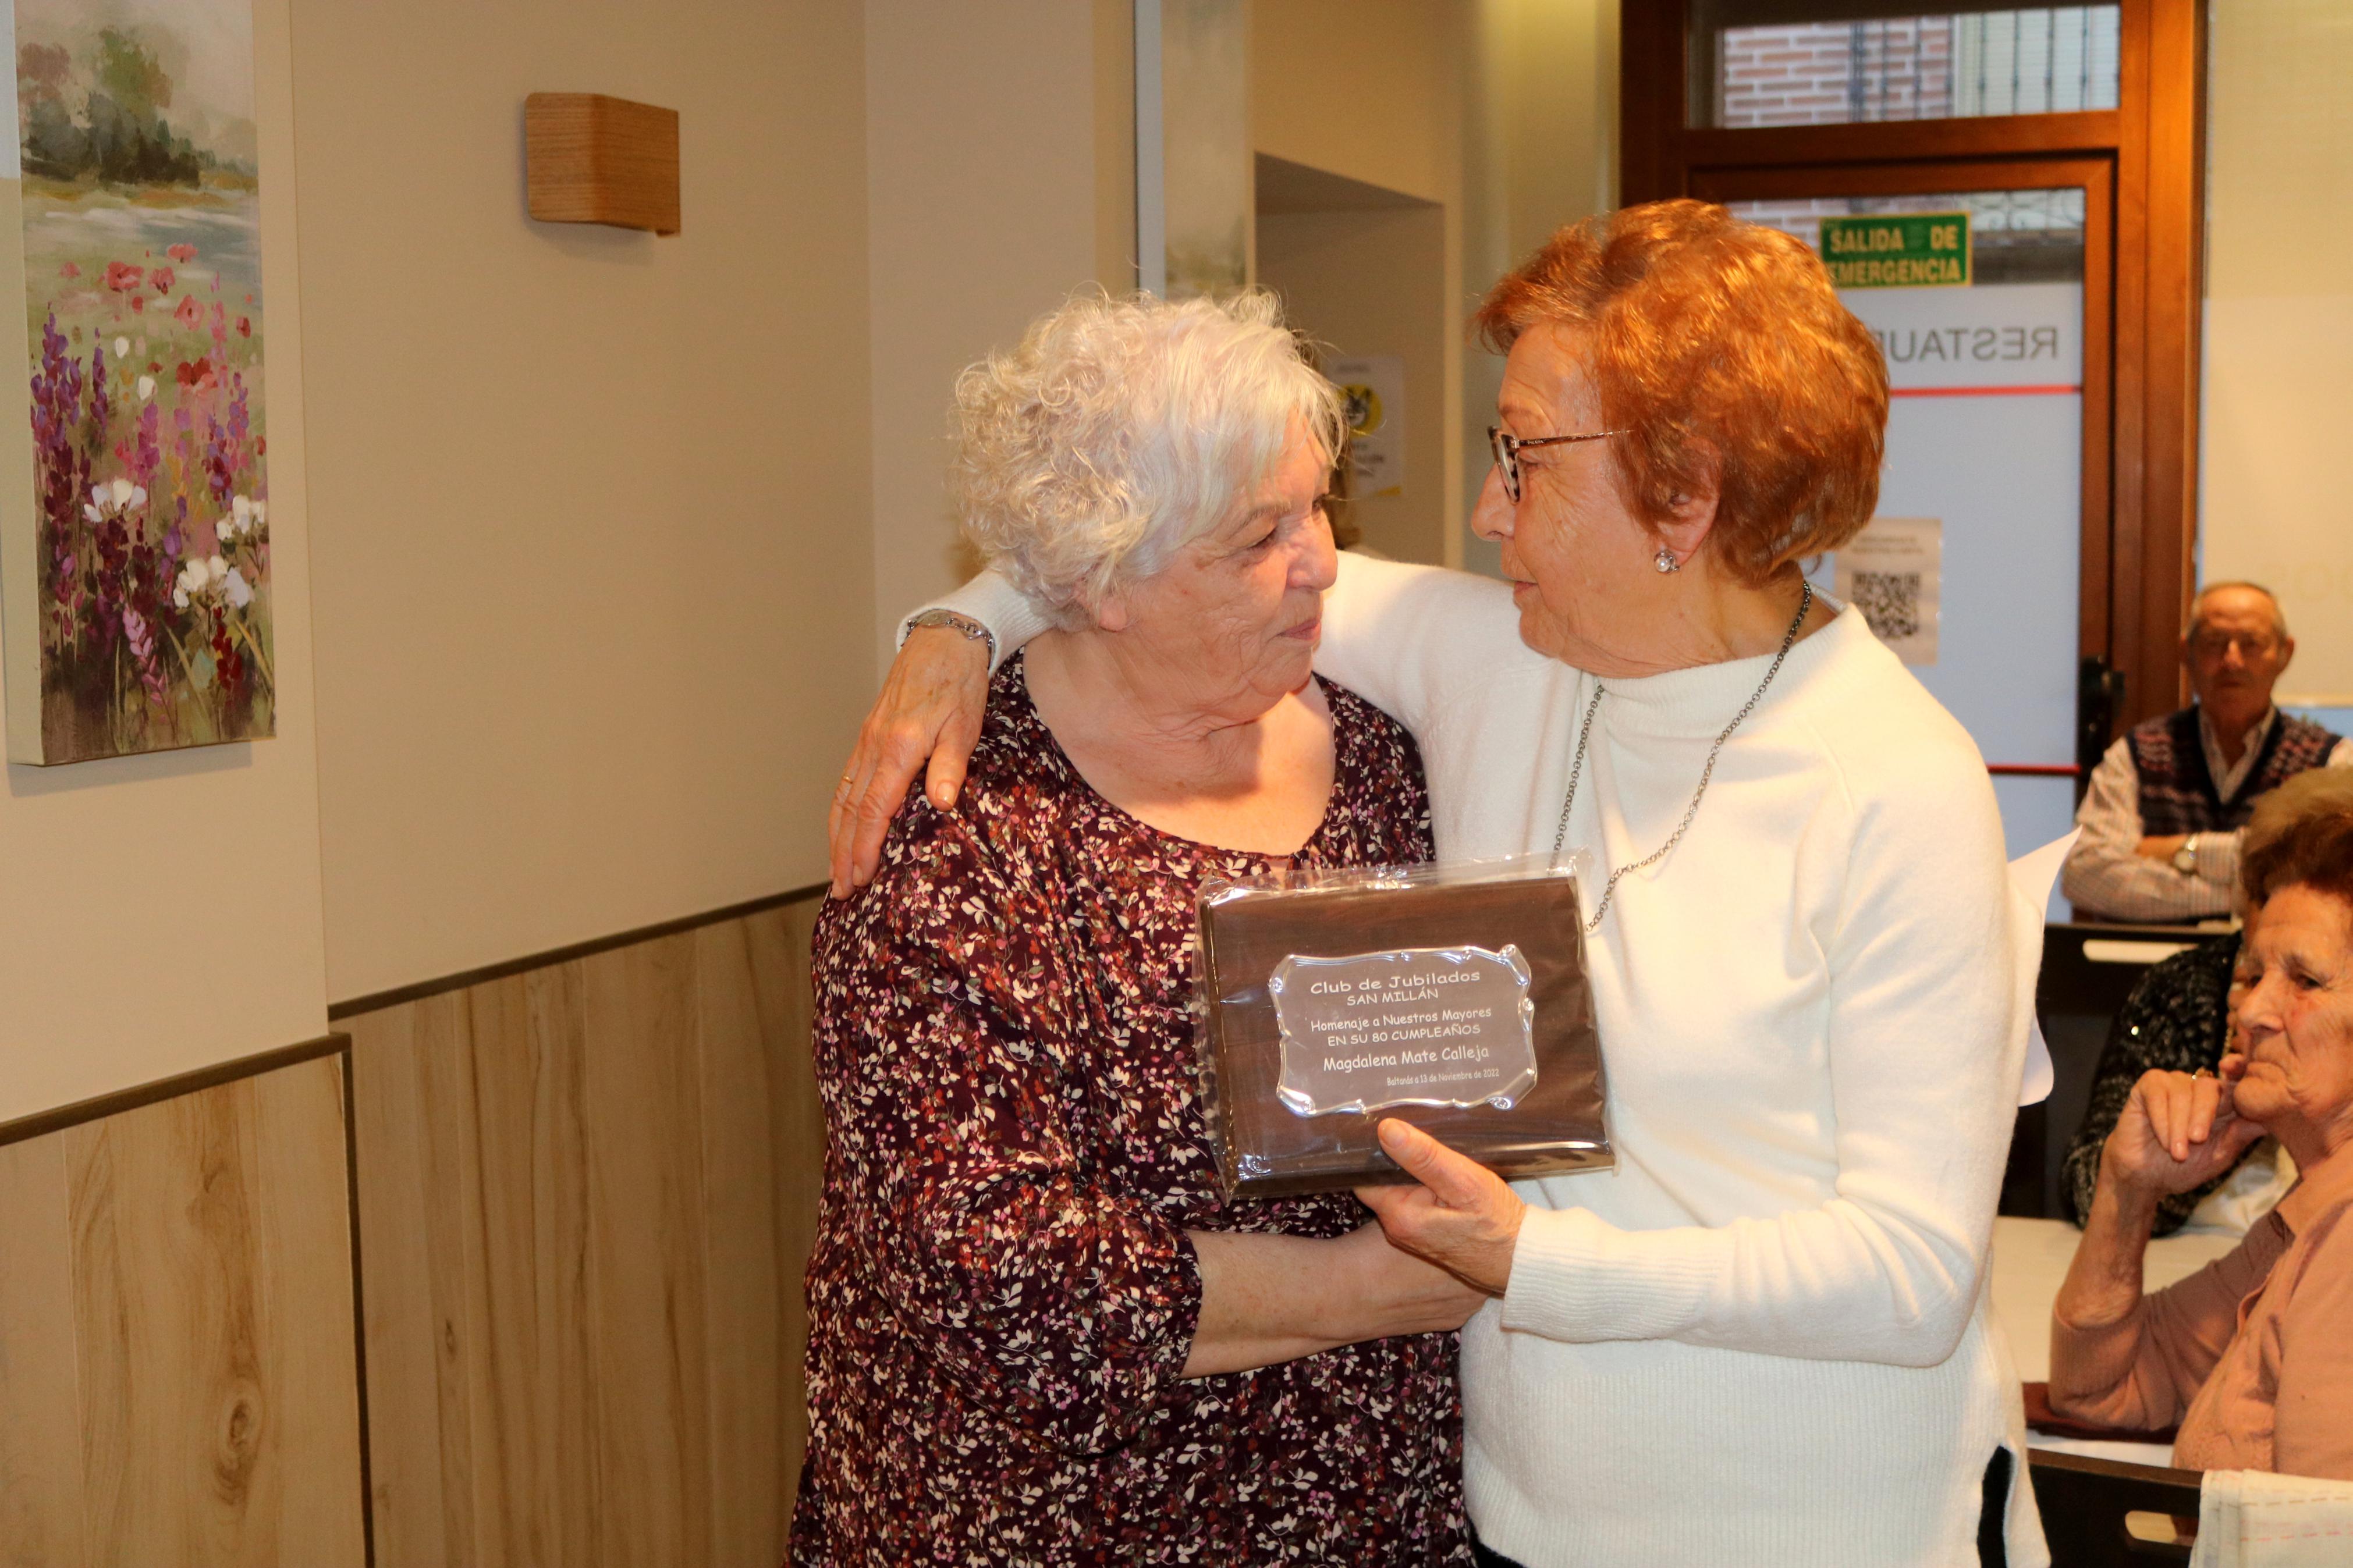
1765	1337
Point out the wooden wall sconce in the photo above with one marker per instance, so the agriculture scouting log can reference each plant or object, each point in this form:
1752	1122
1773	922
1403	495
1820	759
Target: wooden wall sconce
588	158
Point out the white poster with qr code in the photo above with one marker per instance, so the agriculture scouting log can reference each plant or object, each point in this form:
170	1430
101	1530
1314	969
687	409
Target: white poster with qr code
1889	572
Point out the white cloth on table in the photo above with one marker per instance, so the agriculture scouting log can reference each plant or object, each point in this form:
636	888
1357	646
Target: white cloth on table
2252	1518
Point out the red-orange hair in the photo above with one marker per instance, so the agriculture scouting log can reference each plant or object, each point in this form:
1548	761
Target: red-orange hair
1712	339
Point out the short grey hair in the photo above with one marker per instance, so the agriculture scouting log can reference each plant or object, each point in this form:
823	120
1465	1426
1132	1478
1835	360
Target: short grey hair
1120	430
2279	617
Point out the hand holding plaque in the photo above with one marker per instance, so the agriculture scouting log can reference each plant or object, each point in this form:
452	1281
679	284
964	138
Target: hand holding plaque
1451	996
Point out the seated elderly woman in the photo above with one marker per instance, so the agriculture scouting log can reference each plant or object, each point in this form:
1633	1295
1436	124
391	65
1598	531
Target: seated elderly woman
1036	1333
2178	1019
2251	1356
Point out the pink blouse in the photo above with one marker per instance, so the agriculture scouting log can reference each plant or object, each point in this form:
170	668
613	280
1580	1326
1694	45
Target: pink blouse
2253	1354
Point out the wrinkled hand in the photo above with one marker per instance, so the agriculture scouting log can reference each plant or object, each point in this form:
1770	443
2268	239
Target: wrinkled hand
930	707
2160	847
2179	1132
1400	1294
1462	1217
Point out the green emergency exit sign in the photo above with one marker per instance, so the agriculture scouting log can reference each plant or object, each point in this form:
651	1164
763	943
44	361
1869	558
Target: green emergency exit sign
1897	250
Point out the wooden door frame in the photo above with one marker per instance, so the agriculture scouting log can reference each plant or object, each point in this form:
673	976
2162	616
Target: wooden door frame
2140	523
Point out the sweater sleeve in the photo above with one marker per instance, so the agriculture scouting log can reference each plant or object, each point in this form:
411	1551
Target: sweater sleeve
965	1180
1403	636
1927	1026
2141	1371
991	599
1408	638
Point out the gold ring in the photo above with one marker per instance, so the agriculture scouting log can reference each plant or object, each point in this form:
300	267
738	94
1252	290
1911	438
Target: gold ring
2201	1072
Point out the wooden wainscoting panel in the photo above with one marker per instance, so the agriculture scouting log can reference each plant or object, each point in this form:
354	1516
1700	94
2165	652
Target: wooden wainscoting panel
443	1063
782	945
405	1334
760	1133
482	1355
212	1304
40	1398
304	1208
588	1193
646	1244
538	1465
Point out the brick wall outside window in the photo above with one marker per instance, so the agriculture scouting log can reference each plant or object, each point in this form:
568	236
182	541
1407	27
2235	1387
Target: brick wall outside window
1827	73
2049	59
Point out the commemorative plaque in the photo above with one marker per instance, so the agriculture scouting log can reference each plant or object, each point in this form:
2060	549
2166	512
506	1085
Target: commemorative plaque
1454	997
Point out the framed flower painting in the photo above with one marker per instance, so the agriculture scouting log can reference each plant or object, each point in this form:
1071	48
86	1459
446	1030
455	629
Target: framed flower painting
134	499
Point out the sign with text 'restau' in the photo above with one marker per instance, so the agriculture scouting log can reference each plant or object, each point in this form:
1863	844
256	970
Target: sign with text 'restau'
1897	250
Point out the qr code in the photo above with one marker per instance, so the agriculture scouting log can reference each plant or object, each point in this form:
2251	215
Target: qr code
1890	601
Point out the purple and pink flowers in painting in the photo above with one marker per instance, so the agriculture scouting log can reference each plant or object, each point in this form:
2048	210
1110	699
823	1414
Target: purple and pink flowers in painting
144	293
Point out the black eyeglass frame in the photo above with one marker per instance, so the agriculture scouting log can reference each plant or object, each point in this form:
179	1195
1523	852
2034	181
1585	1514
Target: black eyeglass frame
1508	447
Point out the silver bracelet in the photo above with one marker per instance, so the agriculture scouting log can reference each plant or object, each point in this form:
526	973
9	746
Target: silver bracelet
956	621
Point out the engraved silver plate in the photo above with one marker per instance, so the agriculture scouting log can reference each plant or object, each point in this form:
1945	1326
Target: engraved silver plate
1425	1025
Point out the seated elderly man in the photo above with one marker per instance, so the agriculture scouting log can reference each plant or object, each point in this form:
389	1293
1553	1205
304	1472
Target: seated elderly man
2251	1356
2161	818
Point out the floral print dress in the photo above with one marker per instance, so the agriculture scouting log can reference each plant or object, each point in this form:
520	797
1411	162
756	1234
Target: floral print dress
1001	1297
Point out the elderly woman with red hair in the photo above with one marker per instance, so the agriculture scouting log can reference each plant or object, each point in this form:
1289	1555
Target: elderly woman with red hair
1764	1336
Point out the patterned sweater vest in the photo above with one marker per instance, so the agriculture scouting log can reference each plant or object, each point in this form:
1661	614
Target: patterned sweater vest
2177	790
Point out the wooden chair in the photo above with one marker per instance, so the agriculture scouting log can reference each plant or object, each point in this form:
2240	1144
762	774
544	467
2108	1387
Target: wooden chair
2099	1513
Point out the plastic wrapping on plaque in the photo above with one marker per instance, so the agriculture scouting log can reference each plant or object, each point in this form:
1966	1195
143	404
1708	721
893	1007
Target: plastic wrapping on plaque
1453	996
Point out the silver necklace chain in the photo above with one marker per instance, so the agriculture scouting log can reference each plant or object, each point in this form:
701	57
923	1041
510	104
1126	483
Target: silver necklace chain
1585	732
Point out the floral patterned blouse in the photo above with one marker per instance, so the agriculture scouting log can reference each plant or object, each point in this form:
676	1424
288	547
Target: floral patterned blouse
1001	1297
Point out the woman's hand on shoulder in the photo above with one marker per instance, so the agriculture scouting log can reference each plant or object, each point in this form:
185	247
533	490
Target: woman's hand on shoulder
1462	1216
2179	1132
930	708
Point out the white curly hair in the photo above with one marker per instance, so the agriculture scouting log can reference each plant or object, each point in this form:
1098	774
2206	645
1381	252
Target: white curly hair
1121	429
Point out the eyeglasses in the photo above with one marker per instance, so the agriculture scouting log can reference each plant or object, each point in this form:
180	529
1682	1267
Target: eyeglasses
2217	645
1509	447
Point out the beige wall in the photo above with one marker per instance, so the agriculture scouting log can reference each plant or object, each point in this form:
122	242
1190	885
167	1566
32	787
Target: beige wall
1368	281
1000	167
1367	88
1541	123
593	578
1541	150
2279	324
1503	113
1372	90
161	913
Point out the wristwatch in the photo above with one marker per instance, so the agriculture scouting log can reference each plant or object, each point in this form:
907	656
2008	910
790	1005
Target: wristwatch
956	621
2185	859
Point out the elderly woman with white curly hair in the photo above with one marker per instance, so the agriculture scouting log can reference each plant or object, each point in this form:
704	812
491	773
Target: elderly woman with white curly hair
1037	1334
